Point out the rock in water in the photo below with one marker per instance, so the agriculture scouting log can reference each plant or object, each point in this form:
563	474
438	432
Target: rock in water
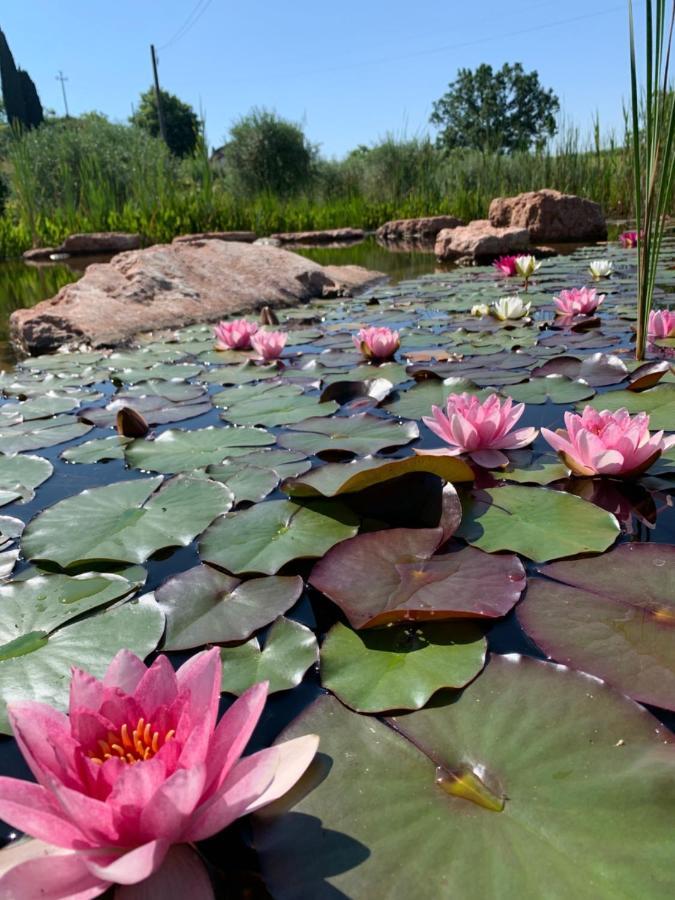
550	216
173	285
480	240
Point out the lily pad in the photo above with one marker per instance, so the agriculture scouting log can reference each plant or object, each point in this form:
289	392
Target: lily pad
247	483
361	435
539	523
20	475
205	606
532	784
658	401
268	535
98	450
393	576
347	478
598	370
402	666
37	663
290	649
615	620
182	451
418	400
553	388
40	433
155	409
125	522
273	409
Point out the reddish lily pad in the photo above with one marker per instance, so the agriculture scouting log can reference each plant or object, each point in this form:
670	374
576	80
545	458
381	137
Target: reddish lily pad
598	370
615	620
406	582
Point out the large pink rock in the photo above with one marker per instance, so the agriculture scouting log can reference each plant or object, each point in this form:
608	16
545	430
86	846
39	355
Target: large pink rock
480	240
100	242
173	285
413	230
550	216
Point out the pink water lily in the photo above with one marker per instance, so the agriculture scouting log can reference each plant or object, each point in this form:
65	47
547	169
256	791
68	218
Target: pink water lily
577	302
661	324
482	430
377	343
628	239
134	774
269	344
607	443
235	335
506	265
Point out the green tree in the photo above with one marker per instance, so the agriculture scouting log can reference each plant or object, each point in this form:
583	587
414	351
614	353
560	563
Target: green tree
268	154
494	112
33	113
182	124
12	94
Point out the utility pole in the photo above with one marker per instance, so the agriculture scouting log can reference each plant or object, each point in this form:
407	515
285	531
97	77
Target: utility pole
158	96
62	78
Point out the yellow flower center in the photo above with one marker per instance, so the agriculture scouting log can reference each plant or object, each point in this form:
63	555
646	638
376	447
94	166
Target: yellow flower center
131	746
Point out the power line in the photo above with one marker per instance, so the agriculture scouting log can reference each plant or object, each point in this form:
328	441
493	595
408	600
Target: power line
196	14
62	78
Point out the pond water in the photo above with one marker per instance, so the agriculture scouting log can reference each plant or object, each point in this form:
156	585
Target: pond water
218	418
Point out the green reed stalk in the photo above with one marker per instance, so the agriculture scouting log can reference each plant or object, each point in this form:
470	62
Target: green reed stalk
653	152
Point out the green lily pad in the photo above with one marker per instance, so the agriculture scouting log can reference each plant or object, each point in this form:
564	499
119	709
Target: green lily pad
37	663
266	536
393	372
182	451
418	400
347	478
658	401
155	409
20	475
241	374
402	666
532	784
615	620
544	469
553	388
247	483
290	649
393	576
361	435
539	523
205	606
272	408
125	522
98	450
40	433
41	407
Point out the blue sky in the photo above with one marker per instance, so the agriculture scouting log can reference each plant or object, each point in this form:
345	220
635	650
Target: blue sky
349	71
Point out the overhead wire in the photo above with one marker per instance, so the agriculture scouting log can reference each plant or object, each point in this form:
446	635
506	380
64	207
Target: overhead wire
197	12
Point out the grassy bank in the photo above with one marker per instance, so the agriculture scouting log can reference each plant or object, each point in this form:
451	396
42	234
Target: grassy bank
92	175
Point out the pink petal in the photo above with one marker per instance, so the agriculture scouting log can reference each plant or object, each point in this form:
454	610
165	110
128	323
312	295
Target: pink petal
128	868
168	813
157	687
133	789
39	729
521	437
292	758
125	671
32	870
557	441
440	451
93	817
182	875
31	808
86	692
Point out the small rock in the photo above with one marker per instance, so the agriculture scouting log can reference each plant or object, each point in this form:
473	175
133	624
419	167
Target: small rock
39	254
100	242
331	236
480	240
415	231
246	237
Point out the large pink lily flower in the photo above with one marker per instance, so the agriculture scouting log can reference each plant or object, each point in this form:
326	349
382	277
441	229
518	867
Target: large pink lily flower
628	239
377	343
135	773
234	335
607	443
506	265
269	344
661	324
482	430
577	302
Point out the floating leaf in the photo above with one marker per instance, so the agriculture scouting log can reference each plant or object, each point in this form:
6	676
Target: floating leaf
182	451
615	620
267	536
97	450
126	522
539	523
154	409
648	375
205	606
658	401
361	435
35	435
347	478
598	370
247	483
532	784
553	388
393	576
20	475
418	400
290	649
402	666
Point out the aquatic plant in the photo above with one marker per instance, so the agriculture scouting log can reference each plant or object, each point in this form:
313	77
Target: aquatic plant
269	344
661	324
607	443
136	772
653	151
577	301
235	335
628	239
509	308
526	266
482	430
600	268
506	265
377	343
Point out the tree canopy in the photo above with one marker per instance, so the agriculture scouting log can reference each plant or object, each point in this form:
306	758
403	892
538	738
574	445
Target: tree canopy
503	111
21	103
182	123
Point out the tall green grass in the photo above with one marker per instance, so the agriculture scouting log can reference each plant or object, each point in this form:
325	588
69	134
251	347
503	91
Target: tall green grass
91	175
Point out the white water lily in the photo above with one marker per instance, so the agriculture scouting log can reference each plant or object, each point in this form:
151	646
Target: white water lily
509	308
480	309
526	266
600	268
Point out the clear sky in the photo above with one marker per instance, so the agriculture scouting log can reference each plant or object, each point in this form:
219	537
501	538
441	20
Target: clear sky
349	70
